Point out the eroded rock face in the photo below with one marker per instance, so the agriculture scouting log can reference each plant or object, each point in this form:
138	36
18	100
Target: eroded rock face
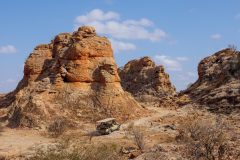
75	76
146	81
218	86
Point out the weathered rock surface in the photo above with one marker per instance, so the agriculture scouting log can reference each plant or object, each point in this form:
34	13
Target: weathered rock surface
75	76
218	86
147	82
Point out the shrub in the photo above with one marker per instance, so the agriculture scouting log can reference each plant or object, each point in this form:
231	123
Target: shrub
1	128
58	127
66	151
137	135
233	48
2	157
205	139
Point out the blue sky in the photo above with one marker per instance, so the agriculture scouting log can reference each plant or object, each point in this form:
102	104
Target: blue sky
176	34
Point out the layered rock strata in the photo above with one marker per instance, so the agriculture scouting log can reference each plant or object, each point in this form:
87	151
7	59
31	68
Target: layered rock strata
218	85
147	82
74	77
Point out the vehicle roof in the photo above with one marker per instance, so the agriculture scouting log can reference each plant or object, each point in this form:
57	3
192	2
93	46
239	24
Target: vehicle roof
106	120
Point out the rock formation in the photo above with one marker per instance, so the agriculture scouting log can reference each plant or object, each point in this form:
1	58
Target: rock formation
74	76
218	86
147	82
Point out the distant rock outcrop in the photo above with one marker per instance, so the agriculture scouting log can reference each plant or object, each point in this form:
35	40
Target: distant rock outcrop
218	86
147	82
74	77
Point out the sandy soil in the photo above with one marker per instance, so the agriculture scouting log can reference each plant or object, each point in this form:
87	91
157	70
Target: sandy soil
18	142
23	141
158	128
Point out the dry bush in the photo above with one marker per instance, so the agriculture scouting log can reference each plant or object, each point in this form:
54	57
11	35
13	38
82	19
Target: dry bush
233	48
74	151
57	127
1	128
136	134
155	156
87	107
2	157
204	139
68	99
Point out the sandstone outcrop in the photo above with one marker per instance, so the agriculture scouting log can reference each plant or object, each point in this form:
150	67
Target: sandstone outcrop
218	85
147	82
75	77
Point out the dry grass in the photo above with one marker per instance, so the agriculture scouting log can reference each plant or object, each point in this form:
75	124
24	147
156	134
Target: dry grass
57	127
2	157
233	48
1	128
136	134
78	151
204	138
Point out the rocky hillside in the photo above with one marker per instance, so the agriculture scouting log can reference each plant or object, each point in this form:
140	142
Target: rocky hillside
146	81
73	76
218	85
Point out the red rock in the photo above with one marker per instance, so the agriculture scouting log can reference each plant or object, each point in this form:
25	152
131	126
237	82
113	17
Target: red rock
75	76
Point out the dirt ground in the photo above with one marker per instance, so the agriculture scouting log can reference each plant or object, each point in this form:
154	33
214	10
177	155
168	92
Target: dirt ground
18	142
159	129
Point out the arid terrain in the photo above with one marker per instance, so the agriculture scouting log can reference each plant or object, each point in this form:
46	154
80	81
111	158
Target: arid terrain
72	82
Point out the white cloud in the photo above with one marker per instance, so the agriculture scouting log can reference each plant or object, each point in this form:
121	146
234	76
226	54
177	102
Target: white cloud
182	58
109	23
97	15
141	22
216	36
169	63
173	64
8	49
119	46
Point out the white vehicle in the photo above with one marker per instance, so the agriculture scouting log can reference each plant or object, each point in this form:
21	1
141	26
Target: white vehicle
107	126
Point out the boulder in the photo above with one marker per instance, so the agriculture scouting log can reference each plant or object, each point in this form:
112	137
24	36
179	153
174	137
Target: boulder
147	82
74	77
218	85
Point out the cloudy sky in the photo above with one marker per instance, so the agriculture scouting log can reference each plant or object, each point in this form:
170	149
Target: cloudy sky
176	34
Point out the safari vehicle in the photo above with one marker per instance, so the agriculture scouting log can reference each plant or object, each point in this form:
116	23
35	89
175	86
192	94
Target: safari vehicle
107	126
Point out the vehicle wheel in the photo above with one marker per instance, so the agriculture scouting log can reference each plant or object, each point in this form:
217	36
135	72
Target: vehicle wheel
109	132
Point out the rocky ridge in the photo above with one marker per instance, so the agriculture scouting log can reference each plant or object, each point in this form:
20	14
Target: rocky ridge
218	85
147	82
